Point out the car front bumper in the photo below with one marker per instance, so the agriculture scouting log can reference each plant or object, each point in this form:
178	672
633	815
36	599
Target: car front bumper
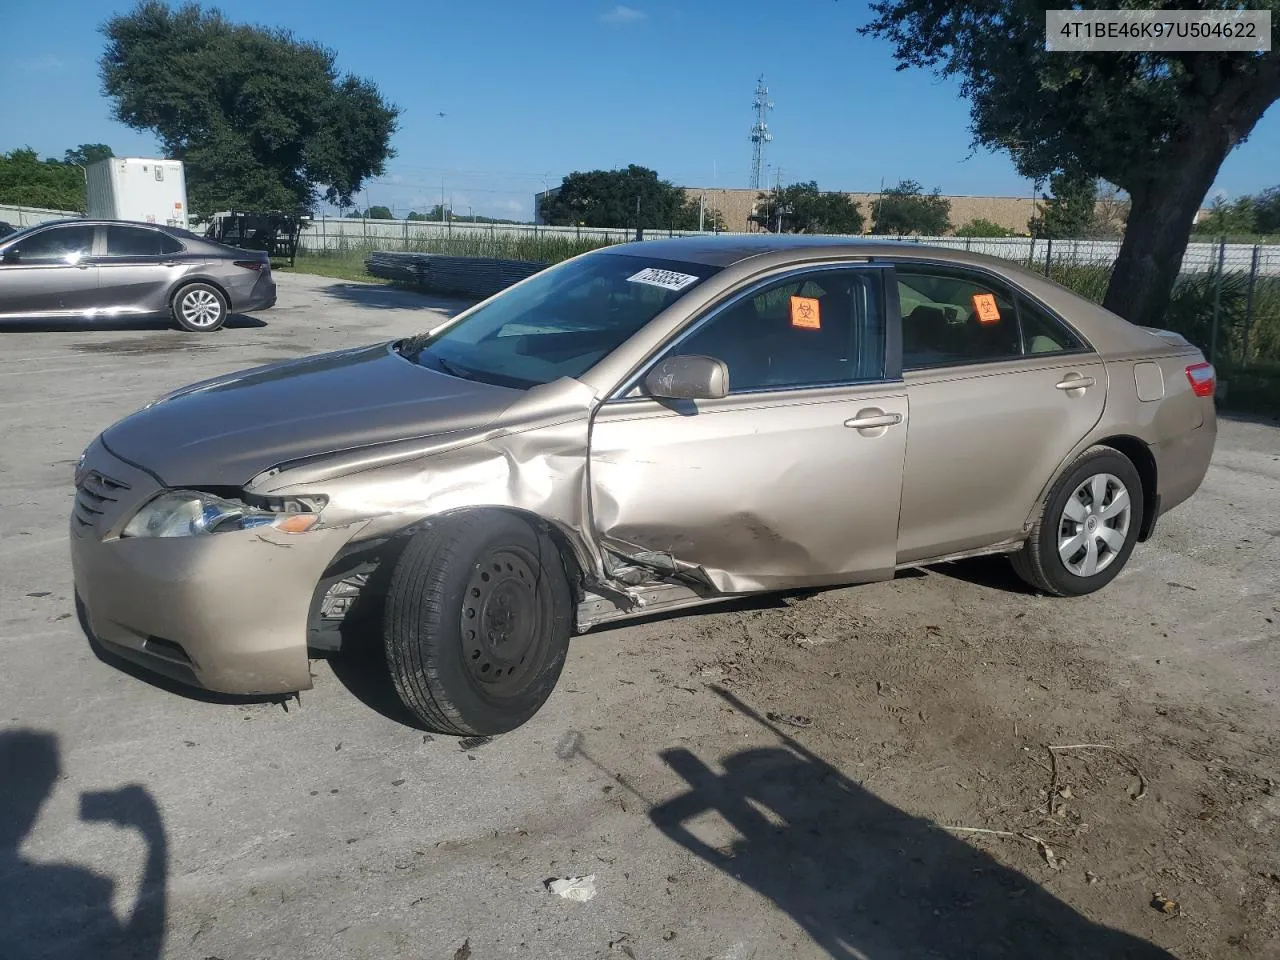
227	611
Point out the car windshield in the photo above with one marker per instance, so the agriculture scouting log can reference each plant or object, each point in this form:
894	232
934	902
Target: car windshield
17	235
560	323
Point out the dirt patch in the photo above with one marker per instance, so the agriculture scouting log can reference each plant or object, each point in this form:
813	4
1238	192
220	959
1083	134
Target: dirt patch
144	346
947	713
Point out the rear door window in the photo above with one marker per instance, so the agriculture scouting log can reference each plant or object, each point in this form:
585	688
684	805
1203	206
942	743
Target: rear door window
950	318
139	242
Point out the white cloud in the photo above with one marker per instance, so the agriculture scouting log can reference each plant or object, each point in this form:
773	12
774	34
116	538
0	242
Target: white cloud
623	14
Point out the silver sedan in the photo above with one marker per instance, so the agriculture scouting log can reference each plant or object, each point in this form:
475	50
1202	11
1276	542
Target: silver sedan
89	269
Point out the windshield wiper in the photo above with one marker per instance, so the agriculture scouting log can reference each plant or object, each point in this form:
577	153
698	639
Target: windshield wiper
449	368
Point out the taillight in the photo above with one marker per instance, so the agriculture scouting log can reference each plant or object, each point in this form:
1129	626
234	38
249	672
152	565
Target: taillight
1203	379
250	264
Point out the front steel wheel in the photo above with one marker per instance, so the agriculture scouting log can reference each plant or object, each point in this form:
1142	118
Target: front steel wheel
479	614
1087	527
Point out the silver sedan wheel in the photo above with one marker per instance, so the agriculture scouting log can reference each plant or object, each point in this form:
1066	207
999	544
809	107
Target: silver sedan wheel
201	308
1094	525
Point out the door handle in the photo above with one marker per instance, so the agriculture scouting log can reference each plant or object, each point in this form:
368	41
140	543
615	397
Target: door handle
871	421
1075	383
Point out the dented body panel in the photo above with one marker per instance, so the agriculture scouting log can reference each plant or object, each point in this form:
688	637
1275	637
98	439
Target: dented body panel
657	504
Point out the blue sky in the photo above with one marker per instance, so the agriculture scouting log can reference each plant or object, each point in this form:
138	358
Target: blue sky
534	90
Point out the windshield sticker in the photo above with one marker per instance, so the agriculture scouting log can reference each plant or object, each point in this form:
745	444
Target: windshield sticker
667	279
984	305
806	313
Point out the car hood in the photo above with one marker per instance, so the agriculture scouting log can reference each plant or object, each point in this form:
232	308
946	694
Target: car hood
225	431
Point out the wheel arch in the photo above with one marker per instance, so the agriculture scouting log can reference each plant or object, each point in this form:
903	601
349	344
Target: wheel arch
1139	454
208	282
382	552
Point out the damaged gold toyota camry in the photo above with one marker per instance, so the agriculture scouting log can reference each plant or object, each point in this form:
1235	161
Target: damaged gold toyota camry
643	428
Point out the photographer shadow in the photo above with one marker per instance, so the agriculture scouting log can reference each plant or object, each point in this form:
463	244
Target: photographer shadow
57	910
861	877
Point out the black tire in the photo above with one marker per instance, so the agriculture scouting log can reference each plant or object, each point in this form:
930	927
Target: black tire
199	308
492	570
1040	562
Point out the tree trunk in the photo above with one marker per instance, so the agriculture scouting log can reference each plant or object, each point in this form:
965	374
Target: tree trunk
1163	203
1161	213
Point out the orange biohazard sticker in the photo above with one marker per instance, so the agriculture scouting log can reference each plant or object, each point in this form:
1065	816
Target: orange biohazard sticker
984	305
806	313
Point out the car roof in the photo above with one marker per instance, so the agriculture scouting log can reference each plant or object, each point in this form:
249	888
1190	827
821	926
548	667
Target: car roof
103	222
725	250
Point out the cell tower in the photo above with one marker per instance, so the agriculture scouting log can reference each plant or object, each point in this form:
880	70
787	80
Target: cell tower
760	134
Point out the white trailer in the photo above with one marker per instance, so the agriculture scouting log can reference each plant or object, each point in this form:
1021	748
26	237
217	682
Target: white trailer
138	188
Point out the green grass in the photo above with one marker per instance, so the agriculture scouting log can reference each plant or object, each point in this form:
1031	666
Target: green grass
339	266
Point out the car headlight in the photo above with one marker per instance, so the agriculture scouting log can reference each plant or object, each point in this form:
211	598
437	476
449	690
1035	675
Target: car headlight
189	513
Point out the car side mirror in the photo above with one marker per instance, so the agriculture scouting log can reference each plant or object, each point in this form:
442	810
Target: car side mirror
688	378
10	256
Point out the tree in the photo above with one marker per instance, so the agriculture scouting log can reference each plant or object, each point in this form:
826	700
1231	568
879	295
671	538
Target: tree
1266	210
87	153
983	228
379	213
803	208
1069	213
1156	124
1229	218
262	120
907	209
609	198
28	181
415	215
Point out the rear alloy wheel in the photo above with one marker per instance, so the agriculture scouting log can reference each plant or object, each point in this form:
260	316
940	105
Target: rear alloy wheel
479	613
199	308
1087	528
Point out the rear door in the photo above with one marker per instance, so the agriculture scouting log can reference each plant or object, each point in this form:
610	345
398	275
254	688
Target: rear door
793	478
1000	392
49	273
136	269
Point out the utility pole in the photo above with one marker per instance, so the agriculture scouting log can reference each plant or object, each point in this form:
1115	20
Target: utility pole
442	198
702	209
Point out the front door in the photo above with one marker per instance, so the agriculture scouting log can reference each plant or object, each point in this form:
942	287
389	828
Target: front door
1000	392
49	273
793	478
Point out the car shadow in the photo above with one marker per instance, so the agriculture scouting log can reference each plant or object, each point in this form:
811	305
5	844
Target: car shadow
994	572
860	876
393	297
361	667
59	909
237	321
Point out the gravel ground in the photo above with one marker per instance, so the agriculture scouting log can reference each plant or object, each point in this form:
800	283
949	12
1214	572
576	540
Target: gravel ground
806	776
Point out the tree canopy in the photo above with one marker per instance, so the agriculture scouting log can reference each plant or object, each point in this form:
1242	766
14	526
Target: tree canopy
28	181
1256	214
1156	124
803	208
906	209
262	119
609	198
88	153
379	213
1069	212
